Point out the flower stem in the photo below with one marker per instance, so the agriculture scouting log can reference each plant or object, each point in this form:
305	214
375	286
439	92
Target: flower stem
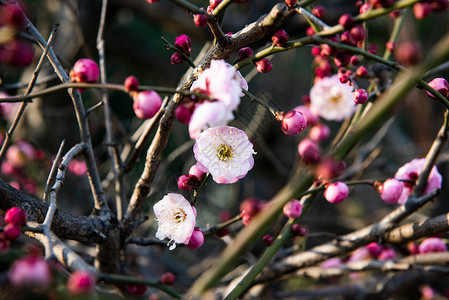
261	102
171	47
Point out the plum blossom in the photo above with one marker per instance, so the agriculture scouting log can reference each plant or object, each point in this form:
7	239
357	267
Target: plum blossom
224	84
331	99
176	219
411	171
30	271
225	152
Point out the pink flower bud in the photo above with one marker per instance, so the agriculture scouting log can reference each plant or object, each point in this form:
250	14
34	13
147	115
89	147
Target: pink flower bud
412	248
291	3
298	230
77	167
358	33
147	104
131	83
319	132
183	43
153	1
391	190
432	244
318	11
245	52
249	208
310	31
362	71
387	253
293	123
310	117
280	37
85	70
391	46
214	3
360	96
30	272
176	59
342	58
268	240
200	20
354	60
16	53
439	5
293	209
327	50
333	262
196	240
168	278
422	10
346	38
81	282
395	14
408	53
196	172
428	293
309	151
343	77
12	15
186	183
316	51
16	216
264	65
336	192
441	85
364	8
346	20
136	289
374	249
11	232
183	114
329	169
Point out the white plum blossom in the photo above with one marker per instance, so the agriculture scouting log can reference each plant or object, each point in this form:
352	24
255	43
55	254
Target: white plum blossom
176	219
411	171
225	152
224	84
331	99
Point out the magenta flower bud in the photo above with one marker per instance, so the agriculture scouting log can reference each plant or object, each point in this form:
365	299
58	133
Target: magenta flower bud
309	151
264	65
298	230
12	15
245	52
360	96
280	37
183	43
354	60
131	83
310	31
291	3
196	240
85	70
311	118
196	172
422	10
391	190
362	71
319	132
77	167
387	253
364	8
315	51
343	77
136	289
336	192
408	53
30	272
81	282
346	38
329	169
183	114
293	123
186	183
200	20
214	3
390	46
318	11
327	50
432	244
176	59
16	216
374	249
168	278
358	33
293	209
249	208
346	20
441	85
11	232
147	104
268	240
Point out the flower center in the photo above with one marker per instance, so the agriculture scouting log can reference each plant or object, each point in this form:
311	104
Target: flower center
179	216
335	95
224	153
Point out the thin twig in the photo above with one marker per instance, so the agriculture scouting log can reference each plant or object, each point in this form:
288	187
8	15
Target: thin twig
53	170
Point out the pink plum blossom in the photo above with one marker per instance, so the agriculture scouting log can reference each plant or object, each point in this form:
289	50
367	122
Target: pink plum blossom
411	171
391	190
30	271
331	99
209	114
225	152
336	192
432	244
333	262
176	219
